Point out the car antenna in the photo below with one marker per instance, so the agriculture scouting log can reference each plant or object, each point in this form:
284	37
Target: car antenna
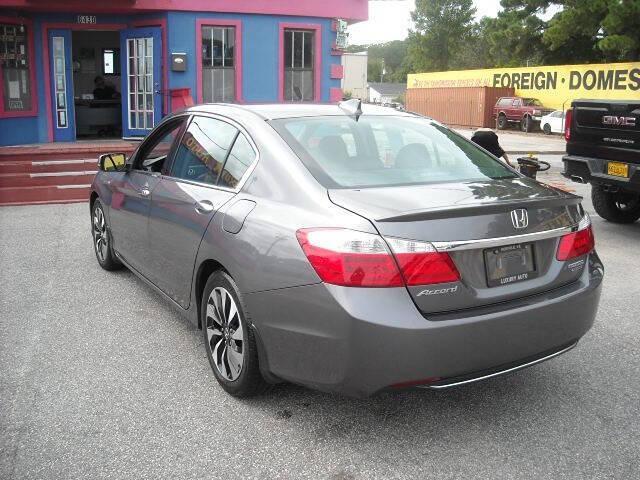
352	107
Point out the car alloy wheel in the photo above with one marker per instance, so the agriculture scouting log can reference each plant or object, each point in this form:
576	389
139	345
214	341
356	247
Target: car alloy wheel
224	333
100	236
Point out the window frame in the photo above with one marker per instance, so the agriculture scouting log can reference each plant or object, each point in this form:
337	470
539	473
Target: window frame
33	111
158	133
317	64
237	60
166	172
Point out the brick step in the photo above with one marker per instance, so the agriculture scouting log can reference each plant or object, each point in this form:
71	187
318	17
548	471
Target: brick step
44	166
46	178
59	151
45	194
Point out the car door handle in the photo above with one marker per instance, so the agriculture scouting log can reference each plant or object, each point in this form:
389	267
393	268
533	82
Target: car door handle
204	206
144	191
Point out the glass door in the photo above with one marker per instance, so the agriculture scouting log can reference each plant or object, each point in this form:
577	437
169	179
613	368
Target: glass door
141	62
61	84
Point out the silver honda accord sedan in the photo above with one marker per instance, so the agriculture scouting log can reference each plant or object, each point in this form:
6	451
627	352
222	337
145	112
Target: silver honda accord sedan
347	249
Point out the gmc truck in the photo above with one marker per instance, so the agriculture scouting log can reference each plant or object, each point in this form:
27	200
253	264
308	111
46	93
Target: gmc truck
526	112
603	149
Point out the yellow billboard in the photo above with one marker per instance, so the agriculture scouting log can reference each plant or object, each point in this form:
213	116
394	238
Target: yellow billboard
554	86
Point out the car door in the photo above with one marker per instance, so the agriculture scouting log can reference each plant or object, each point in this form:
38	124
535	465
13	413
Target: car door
212	157
131	195
514	110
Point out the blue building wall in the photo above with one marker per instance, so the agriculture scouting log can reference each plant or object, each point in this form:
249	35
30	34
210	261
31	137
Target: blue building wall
260	44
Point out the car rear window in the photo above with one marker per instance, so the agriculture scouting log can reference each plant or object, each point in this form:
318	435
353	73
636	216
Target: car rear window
378	151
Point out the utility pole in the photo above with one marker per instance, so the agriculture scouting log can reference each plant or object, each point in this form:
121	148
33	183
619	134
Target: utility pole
382	72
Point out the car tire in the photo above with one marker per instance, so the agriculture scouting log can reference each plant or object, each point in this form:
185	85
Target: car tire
101	235
502	121
546	129
229	338
526	124
619	207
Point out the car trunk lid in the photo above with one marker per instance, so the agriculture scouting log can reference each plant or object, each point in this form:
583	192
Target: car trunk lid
472	221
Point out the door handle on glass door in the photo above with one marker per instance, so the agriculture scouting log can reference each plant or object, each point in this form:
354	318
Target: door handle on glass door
204	206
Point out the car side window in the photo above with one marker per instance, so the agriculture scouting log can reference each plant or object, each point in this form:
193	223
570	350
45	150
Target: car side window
240	159
155	151
203	150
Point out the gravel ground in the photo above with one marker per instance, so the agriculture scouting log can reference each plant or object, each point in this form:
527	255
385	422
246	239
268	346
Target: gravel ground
101	378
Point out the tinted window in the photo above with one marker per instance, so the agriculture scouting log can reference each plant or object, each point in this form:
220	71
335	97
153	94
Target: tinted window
385	151
203	149
155	151
239	160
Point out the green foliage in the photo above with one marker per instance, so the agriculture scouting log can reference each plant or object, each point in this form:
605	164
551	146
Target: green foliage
446	37
443	29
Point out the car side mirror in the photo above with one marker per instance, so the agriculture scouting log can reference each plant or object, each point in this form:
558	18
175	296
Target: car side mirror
112	162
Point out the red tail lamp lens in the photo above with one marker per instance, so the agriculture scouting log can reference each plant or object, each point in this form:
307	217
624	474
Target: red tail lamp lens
567	124
576	244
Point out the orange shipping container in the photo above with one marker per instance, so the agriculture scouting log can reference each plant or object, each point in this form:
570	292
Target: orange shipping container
463	106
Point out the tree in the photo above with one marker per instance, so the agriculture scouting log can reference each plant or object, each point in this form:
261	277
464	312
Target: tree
442	30
587	30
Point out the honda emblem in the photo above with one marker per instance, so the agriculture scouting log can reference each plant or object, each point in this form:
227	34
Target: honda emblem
519	218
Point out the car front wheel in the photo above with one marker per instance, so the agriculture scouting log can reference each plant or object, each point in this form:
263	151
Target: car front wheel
102	238
229	339
526	124
546	129
618	207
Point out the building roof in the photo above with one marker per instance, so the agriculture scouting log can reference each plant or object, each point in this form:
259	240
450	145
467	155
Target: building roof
271	111
389	88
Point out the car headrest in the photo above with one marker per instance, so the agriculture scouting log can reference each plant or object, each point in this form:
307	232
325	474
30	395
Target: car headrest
333	149
413	155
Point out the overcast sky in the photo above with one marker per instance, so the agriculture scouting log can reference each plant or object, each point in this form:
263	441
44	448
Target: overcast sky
390	20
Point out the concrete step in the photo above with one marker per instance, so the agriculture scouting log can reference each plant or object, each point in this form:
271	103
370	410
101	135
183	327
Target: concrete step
44	194
46	178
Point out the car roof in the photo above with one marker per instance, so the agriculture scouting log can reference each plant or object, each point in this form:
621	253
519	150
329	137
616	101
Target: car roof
271	111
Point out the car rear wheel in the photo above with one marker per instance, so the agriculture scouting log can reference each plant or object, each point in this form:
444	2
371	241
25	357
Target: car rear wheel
546	129
502	121
229	339
619	207
102	244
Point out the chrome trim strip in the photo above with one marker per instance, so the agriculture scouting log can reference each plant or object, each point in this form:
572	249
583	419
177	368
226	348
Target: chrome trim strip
458	245
501	372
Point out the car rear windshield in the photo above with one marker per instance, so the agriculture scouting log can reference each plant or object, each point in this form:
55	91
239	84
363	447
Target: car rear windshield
378	151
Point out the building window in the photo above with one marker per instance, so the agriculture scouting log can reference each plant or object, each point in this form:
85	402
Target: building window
218	64
298	65
15	68
140	74
59	72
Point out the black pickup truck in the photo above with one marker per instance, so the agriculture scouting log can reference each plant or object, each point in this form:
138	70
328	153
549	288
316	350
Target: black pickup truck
603	148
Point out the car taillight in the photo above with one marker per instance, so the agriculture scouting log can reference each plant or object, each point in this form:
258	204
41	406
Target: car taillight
349	258
576	244
567	124
357	259
421	264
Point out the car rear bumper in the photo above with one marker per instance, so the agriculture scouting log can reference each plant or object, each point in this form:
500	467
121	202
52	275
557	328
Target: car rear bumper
592	170
357	341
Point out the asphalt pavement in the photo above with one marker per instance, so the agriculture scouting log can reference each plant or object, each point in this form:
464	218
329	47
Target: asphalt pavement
101	378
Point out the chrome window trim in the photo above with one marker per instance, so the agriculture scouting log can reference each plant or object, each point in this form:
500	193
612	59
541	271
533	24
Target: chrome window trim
459	245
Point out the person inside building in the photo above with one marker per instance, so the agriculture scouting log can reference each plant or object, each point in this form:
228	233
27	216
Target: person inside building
103	90
487	139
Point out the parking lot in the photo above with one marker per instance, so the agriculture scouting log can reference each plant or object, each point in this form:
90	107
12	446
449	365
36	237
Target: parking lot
101	378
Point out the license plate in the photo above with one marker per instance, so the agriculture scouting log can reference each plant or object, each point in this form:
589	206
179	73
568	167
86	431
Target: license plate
509	264
618	169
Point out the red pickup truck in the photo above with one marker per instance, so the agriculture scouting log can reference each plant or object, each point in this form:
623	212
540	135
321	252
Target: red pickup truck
526	112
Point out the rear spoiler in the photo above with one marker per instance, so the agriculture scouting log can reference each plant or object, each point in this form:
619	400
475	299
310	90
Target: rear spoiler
482	209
